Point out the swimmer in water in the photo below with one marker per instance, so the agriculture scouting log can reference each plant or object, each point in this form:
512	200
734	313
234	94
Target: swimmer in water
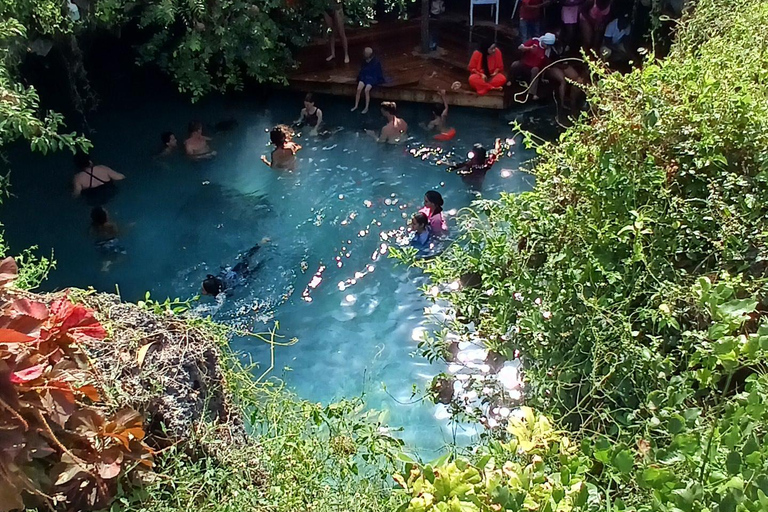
310	115
284	154
230	278
396	129
480	162
105	233
90	176
420	228
433	209
196	146
170	144
440	119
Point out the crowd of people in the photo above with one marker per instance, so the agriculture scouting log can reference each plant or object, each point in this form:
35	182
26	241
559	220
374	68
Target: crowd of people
428	227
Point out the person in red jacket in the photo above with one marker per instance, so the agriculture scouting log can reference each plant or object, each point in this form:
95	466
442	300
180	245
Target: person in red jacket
486	70
535	58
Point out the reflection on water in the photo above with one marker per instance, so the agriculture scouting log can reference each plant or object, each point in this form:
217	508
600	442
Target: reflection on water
324	275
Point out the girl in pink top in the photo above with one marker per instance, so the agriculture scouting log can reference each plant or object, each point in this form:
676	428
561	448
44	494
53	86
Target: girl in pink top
433	209
592	22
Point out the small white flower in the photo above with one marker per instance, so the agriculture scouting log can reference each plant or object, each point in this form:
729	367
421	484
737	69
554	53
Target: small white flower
547	315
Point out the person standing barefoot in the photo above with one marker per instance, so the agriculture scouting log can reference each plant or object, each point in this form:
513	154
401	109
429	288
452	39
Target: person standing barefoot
334	18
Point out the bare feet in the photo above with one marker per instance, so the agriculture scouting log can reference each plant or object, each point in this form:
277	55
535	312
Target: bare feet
346	59
353	108
333	56
365	110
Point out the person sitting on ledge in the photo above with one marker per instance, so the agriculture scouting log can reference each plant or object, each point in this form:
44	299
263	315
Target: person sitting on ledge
284	154
486	70
89	176
196	146
535	58
369	76
396	128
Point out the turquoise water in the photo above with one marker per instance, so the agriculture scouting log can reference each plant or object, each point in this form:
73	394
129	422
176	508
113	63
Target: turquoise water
181	220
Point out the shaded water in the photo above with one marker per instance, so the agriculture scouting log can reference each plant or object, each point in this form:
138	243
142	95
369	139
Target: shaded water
181	220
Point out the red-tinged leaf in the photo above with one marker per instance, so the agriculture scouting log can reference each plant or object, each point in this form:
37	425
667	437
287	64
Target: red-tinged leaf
87	422
109	465
37	310
28	374
120	438
73	323
9	271
14	336
59	403
90	392
24	324
107	471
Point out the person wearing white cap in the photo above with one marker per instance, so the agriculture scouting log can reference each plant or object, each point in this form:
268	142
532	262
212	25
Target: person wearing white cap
535	58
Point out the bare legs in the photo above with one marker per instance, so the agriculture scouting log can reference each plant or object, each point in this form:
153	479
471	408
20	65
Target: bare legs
360	88
335	22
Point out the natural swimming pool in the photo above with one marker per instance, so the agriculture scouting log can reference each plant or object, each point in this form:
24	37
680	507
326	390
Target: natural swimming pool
181	220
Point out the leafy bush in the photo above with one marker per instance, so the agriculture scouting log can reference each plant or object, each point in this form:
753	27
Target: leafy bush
59	446
633	278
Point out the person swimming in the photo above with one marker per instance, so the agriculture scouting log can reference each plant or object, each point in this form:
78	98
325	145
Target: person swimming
433	209
196	146
105	234
284	154
230	278
480	162
421	234
439	122
90	177
170	143
310	115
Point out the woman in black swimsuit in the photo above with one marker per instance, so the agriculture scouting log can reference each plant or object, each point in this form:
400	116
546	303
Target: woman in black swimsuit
310	115
95	182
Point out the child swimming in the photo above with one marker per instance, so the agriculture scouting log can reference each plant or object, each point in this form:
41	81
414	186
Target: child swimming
420	228
284	154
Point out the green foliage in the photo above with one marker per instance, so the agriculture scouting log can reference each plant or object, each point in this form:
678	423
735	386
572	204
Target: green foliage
633	278
302	455
216	46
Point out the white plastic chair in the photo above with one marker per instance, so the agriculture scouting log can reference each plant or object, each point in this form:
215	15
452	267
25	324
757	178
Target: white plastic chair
494	8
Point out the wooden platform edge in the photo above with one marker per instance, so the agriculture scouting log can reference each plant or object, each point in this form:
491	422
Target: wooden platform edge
461	99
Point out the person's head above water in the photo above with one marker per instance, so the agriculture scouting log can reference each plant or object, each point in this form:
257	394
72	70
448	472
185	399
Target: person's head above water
280	134
368	53
434	201
99	216
82	161
388	109
419	222
212	285
478	155
309	101
437	110
195	127
169	140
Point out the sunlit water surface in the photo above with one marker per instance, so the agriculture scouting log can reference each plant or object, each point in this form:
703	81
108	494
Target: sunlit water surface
181	220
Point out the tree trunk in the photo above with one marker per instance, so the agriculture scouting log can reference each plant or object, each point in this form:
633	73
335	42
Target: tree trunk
425	26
